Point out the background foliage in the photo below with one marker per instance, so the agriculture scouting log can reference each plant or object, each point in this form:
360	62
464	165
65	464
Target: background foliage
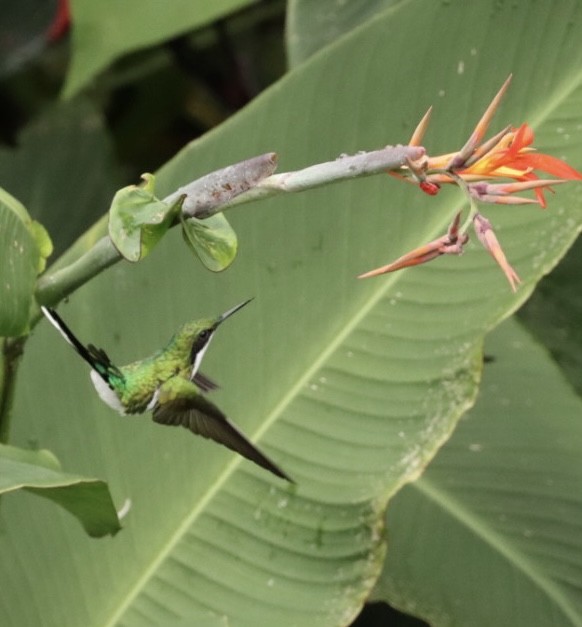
354	386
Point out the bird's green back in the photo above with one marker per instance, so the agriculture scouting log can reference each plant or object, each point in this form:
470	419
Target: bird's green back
142	378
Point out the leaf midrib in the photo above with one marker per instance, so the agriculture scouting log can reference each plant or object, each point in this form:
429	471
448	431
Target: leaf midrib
231	466
437	228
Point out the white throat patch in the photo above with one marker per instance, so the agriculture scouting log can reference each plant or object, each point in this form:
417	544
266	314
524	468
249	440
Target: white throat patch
199	357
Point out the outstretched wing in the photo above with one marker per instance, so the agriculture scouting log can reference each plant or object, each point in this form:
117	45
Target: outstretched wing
181	404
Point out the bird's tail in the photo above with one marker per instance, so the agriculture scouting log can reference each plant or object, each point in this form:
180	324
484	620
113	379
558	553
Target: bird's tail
95	357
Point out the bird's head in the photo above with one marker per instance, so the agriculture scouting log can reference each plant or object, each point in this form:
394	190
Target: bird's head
200	332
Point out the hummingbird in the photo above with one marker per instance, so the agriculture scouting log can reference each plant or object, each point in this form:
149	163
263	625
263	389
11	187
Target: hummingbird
169	384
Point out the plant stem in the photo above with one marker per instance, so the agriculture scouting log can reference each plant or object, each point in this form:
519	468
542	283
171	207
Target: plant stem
318	175
11	351
82	244
93	252
473	209
461	183
55	286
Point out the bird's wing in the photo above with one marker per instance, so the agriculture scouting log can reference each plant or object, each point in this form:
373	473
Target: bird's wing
179	403
206	384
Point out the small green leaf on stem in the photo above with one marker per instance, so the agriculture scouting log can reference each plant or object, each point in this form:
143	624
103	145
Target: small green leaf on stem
138	220
43	242
213	240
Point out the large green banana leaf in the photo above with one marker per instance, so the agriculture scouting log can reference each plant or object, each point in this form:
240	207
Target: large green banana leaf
65	189
491	533
350	386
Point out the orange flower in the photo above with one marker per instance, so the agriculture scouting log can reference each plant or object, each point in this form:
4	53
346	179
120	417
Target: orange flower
507	155
512	158
477	169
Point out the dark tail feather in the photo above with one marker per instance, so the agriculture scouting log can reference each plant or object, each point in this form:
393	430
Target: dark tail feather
57	322
96	358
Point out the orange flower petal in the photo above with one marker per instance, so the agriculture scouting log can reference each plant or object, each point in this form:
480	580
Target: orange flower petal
549	164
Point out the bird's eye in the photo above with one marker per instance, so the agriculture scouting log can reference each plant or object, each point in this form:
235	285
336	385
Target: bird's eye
204	334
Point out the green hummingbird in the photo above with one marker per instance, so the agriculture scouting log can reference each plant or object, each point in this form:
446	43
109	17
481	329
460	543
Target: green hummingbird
169	384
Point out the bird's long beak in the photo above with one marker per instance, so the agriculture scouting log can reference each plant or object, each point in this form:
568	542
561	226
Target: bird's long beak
229	313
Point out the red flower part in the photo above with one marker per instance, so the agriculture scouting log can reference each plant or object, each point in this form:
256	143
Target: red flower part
61	22
432	189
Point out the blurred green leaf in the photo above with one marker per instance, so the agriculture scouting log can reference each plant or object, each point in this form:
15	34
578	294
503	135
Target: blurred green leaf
138	220
40	473
554	312
313	25
24	32
62	170
351	386
213	240
500	508
20	260
10	203
104	31
200	619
